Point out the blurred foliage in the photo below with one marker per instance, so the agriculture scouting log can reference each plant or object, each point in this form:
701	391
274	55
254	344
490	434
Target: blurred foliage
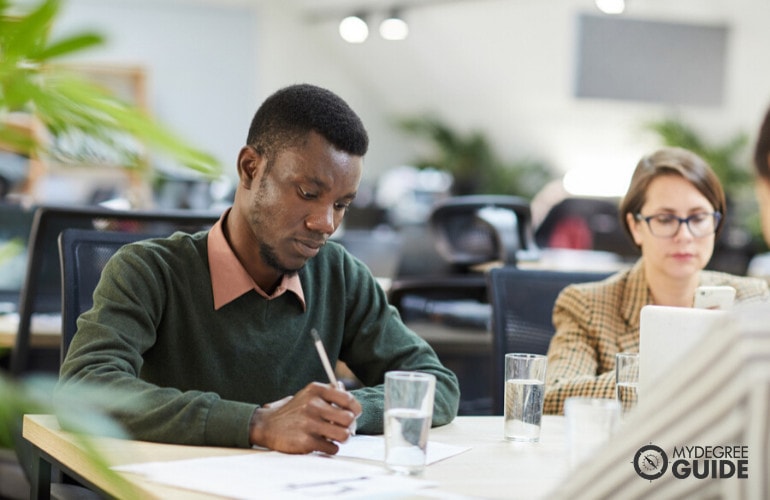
67	105
11	249
727	159
730	161
82	413
472	161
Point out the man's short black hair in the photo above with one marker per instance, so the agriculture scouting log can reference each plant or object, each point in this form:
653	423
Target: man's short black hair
290	114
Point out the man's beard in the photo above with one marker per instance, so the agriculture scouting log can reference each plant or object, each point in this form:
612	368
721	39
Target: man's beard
271	259
257	219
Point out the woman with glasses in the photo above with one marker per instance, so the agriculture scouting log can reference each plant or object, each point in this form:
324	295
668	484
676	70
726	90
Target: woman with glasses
673	211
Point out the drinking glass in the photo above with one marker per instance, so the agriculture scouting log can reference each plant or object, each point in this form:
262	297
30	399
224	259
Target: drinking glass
524	393
408	416
590	423
626	379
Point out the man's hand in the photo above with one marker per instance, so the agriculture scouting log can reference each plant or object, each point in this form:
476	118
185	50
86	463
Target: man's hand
308	421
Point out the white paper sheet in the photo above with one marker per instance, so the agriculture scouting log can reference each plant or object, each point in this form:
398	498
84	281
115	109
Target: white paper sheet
277	475
373	448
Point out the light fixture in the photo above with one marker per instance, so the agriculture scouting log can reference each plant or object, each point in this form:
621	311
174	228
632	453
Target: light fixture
611	6
353	29
394	27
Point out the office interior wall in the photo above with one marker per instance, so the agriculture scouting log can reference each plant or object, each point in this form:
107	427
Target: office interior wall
508	69
200	62
503	67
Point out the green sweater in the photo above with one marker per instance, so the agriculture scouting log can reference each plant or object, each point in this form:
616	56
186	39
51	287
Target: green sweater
190	374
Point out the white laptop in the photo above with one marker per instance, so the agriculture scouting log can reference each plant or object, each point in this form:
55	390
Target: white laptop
666	334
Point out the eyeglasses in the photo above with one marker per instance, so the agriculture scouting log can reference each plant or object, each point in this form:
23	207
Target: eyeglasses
667	225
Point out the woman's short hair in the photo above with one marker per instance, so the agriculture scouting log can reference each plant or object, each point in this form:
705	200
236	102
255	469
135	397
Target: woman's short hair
671	161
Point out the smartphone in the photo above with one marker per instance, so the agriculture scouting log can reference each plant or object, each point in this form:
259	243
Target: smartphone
714	297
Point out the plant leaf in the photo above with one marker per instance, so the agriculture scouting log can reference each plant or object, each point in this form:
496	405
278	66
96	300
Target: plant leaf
70	107
68	46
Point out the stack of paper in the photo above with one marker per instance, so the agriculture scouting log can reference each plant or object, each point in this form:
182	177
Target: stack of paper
269	474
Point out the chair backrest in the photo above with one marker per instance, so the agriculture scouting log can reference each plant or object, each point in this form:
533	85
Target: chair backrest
452	314
522	307
416	298
476	229
599	217
83	254
41	290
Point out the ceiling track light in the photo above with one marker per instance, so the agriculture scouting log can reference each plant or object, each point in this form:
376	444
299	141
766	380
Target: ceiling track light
611	6
394	27
353	29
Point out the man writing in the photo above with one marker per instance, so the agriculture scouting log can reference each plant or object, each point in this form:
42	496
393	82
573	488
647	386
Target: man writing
209	334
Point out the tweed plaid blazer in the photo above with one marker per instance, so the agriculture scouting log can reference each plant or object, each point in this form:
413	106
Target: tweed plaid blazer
595	321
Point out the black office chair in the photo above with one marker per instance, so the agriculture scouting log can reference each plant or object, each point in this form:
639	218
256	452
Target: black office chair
450	309
600	219
522	308
477	229
83	254
41	290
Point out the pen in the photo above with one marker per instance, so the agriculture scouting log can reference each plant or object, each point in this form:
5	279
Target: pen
328	367
324	358
331	482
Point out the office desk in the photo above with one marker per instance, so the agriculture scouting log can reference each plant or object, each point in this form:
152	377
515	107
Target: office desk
468	353
492	468
453	340
45	330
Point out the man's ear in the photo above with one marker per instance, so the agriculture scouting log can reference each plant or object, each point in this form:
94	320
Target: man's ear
250	166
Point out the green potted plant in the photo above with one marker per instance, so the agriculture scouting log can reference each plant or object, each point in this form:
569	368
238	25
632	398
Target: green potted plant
59	103
473	163
83	413
726	158
34	84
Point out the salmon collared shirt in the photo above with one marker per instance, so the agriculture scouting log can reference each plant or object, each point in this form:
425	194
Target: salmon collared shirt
229	279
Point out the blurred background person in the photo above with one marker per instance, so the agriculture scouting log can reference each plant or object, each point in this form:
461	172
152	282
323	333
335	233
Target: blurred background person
762	164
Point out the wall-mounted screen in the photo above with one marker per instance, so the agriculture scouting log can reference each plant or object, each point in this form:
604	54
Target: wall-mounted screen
650	61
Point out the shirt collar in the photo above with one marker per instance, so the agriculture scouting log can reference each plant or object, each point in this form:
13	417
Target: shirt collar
229	279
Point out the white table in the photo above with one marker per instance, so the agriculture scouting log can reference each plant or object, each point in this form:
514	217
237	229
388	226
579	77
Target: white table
496	468
492	468
45	330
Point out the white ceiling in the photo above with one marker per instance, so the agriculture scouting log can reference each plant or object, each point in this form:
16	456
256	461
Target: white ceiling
504	67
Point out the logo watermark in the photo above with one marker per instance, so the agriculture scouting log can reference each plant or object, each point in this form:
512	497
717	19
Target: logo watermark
700	462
